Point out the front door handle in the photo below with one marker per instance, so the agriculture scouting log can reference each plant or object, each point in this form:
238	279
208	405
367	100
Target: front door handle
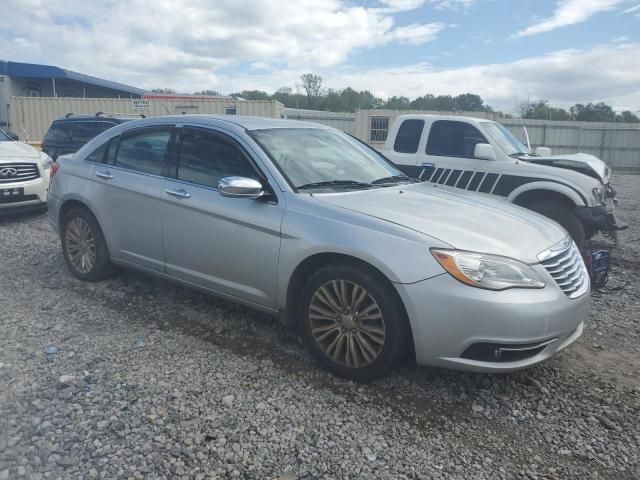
104	175
180	193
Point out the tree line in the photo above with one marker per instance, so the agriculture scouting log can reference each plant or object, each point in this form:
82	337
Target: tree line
309	93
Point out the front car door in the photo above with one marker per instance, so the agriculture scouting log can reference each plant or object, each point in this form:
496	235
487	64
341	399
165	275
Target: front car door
450	157
228	245
127	193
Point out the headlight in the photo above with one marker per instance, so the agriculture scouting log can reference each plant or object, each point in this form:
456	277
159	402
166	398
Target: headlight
598	194
45	161
487	271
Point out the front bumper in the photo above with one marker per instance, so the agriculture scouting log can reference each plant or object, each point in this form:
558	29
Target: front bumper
602	217
455	325
34	198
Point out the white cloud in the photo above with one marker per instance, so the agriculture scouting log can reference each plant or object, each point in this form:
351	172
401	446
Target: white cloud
609	73
416	34
569	12
157	46
407	5
635	9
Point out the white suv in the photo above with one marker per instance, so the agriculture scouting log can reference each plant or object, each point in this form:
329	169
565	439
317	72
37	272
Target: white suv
24	176
479	155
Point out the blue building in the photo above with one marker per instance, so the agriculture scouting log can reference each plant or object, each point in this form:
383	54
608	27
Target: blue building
32	80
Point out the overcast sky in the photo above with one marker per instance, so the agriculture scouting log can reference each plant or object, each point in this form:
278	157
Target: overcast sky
567	51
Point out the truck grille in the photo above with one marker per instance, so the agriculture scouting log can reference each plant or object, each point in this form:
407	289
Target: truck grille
18	172
569	271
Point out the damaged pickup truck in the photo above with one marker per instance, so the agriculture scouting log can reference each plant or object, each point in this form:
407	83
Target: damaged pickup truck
479	155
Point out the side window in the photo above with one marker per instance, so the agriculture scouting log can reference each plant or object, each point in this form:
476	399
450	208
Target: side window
408	136
85	131
97	156
206	157
58	133
453	139
144	150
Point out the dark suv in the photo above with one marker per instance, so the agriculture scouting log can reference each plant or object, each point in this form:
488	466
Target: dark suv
69	134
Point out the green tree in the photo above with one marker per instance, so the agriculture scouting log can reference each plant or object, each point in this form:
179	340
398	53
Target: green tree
163	90
593	112
627	117
212	93
398	103
252	95
541	110
312	85
469	102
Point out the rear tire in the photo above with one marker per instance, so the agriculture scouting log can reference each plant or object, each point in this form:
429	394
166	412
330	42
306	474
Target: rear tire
565	216
84	247
353	322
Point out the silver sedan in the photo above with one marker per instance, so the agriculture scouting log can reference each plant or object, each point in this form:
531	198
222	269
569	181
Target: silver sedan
310	225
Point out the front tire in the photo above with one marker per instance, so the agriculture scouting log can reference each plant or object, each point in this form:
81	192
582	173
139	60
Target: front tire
84	247
353	322
565	216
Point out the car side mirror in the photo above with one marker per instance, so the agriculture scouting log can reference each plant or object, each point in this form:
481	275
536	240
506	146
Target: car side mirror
240	187
484	151
542	151
13	136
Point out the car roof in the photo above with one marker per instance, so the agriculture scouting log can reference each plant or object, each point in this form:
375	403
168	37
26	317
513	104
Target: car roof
242	122
431	116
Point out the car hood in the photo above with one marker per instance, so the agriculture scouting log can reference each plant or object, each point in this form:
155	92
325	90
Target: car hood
465	221
17	150
579	162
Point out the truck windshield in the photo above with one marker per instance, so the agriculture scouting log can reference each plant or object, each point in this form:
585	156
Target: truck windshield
504	138
314	158
4	137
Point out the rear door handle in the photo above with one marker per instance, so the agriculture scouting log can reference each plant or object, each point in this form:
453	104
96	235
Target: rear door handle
180	193
104	175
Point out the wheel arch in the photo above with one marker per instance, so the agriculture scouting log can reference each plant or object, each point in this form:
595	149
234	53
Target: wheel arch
540	191
316	261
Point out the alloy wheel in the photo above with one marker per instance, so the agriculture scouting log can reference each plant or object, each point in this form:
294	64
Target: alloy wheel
347	323
81	245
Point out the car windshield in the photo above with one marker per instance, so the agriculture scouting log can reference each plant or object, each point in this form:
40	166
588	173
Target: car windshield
4	137
315	158
504	138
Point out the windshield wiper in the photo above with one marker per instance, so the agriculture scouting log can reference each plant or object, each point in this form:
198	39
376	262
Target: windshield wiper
394	179
334	183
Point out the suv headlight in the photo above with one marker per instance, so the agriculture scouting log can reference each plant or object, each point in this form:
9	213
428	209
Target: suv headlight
598	194
45	161
487	271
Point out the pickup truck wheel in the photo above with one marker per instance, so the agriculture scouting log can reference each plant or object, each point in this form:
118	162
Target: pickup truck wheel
352	322
84	247
565	216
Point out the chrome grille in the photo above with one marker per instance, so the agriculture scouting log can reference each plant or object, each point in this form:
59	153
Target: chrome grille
18	172
568	270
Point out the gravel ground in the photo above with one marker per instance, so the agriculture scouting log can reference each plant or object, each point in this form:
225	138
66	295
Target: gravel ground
136	378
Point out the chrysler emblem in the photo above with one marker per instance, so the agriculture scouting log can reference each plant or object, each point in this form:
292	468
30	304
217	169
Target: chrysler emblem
8	172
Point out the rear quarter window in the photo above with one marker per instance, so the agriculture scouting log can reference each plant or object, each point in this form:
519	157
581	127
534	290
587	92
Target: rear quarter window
58	133
83	132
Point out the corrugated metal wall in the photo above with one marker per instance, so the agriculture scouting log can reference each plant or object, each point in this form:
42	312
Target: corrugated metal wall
32	116
341	120
618	144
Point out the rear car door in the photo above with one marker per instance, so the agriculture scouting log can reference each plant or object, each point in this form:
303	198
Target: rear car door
127	194
449	157
229	245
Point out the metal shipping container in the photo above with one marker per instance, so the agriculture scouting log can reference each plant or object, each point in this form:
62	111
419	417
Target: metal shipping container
30	117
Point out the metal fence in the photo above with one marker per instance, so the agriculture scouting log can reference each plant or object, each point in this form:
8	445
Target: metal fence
341	120
618	144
